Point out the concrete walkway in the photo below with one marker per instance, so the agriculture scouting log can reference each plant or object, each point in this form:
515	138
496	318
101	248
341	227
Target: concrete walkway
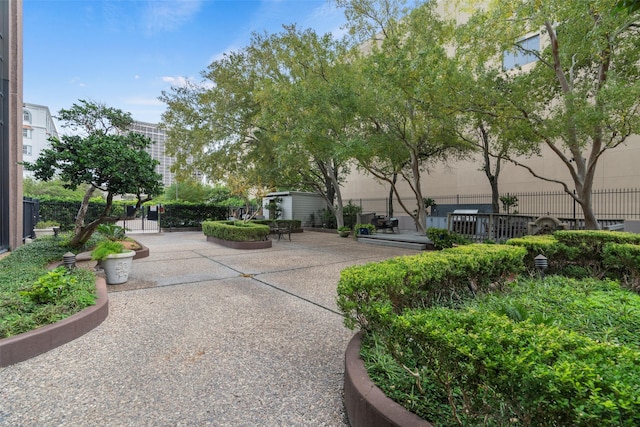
203	335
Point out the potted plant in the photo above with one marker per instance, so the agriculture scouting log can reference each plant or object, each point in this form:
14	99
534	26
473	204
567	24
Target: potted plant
46	228
344	231
365	229
114	259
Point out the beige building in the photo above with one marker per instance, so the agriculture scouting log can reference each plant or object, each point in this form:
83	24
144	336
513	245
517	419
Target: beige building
10	124
463	182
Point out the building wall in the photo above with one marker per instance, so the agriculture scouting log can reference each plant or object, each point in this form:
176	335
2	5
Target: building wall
11	124
37	127
617	168
157	149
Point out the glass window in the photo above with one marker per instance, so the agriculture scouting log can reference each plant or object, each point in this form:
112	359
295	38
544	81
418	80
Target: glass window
26	116
26	133
523	54
26	150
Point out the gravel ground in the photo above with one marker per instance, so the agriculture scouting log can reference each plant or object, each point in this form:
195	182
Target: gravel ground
203	335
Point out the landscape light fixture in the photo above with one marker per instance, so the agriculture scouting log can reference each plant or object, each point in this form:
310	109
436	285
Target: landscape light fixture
541	264
69	260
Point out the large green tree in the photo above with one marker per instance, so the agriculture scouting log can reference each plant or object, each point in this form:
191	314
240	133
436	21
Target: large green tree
265	115
312	112
581	96
407	108
106	157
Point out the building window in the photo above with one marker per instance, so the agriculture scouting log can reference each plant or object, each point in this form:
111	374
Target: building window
26	150
523	54
26	133
26	116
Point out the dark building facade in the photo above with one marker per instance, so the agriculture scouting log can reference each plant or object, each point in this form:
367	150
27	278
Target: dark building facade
10	124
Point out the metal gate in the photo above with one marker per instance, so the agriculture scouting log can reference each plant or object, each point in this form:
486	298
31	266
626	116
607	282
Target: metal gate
30	216
147	220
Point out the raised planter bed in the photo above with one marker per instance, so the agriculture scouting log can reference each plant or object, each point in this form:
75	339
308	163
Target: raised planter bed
30	344
263	244
366	405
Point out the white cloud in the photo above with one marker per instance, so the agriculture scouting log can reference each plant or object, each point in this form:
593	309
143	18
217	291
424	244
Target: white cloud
177	81
76	81
169	15
139	100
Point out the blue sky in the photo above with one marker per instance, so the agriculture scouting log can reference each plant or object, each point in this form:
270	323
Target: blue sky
124	53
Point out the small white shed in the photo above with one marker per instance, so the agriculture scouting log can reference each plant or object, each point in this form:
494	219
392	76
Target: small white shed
297	205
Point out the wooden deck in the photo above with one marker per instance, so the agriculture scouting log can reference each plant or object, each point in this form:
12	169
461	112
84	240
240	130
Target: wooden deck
402	239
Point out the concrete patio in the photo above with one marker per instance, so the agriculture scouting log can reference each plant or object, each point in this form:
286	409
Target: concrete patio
203	335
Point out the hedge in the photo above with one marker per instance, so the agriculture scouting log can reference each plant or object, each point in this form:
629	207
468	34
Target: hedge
237	231
295	224
370	295
190	215
579	253
562	363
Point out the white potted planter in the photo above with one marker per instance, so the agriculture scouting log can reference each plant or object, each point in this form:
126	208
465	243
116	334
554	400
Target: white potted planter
117	266
114	260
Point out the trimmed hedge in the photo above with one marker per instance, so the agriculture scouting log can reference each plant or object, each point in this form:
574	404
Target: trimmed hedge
624	258
295	224
371	295
560	365
578	253
447	338
64	210
237	231
190	215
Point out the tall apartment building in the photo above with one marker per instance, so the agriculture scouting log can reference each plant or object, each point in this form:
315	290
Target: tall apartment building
37	127
157	149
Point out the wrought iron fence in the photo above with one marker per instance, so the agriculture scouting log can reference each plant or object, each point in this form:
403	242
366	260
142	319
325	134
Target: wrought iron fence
609	204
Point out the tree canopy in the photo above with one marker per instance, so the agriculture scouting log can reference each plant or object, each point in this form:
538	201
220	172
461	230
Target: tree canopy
115	163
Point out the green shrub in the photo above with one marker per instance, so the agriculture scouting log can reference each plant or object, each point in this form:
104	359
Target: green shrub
106	248
371	295
112	231
498	371
47	224
624	258
25	270
295	224
238	231
443	238
51	287
546	353
371	229
190	215
558	254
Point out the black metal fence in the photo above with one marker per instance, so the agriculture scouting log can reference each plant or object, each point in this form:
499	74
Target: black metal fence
30	216
622	203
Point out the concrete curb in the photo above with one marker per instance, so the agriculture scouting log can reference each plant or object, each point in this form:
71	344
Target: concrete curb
30	344
263	244
366	405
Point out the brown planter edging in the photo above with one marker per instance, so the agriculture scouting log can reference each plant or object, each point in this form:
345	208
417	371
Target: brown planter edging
263	244
30	344
366	405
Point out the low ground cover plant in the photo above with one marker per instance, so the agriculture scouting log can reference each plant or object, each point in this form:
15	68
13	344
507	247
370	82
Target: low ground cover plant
32	296
449	336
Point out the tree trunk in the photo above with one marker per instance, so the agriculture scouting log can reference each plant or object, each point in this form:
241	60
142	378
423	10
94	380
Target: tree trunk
82	212
394	180
585	202
495	195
